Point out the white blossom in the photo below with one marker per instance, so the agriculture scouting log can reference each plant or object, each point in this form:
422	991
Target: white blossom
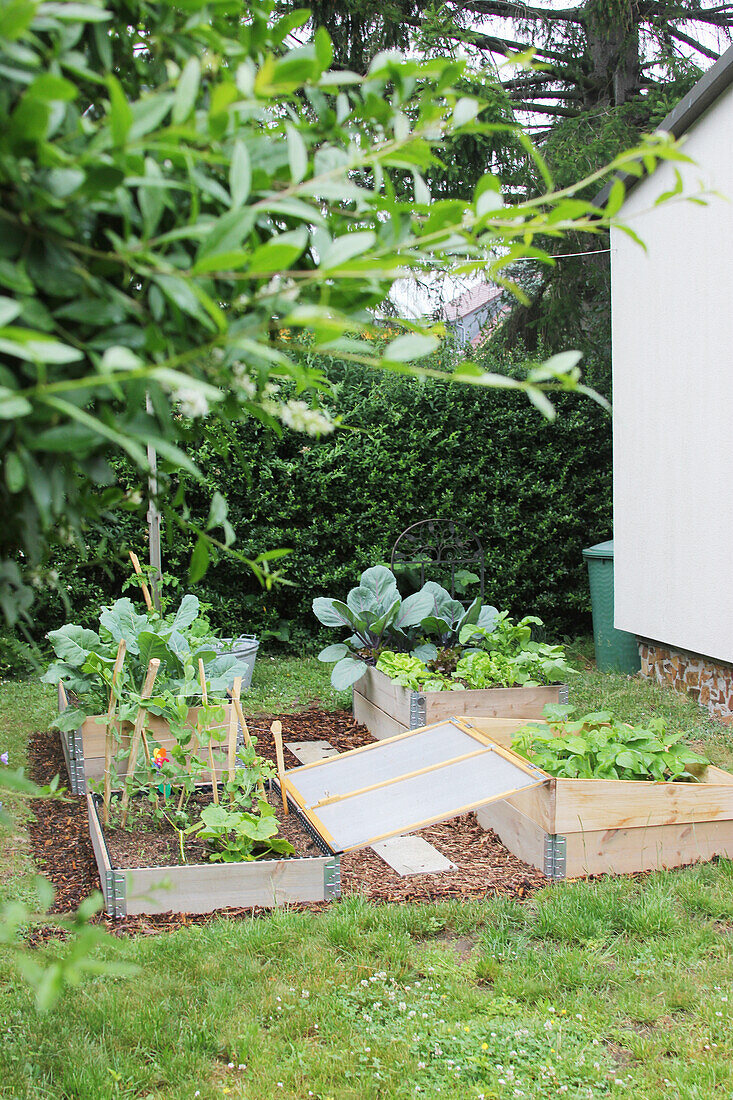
302	418
192	402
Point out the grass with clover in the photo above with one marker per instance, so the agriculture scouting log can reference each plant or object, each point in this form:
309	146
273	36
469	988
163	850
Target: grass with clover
606	989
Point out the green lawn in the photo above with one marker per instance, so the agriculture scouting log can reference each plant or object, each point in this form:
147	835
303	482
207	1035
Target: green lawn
615	988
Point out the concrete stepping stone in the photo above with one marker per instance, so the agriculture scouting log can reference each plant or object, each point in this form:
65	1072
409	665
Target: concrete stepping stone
411	855
308	752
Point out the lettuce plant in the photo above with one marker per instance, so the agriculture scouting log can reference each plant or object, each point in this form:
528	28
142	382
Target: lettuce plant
599	746
409	671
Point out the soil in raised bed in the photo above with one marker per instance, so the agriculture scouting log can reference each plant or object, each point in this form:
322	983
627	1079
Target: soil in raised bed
63	852
148	843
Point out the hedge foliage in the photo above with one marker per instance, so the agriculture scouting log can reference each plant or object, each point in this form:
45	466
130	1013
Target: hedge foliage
535	492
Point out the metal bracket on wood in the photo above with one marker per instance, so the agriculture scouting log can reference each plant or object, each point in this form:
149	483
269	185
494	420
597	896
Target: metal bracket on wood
332	878
418	710
563	695
116	900
74	753
555	855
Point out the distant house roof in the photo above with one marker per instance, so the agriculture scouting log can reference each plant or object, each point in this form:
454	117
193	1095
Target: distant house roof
471	300
702	95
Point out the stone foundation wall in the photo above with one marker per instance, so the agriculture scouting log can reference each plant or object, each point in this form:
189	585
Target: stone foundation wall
709	681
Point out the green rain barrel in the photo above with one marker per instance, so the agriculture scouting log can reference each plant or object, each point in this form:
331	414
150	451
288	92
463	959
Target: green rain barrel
616	651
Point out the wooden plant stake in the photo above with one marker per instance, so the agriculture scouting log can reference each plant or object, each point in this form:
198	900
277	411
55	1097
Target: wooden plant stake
205	701
108	736
137	733
247	738
277	733
236	690
145	590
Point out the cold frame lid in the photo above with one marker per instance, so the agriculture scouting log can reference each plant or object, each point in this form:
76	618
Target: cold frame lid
405	783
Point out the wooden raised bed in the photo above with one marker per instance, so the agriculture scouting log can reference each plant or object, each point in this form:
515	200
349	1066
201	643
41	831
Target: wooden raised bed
84	748
387	708
203	888
569	828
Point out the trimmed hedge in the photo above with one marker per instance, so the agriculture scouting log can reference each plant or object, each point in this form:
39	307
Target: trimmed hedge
536	494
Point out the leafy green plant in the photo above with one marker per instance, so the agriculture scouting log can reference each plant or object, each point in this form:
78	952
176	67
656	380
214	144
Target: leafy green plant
409	671
487	670
599	746
181	191
235	836
376	615
380	619
86	659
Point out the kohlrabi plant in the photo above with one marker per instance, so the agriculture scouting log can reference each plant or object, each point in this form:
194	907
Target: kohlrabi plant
599	746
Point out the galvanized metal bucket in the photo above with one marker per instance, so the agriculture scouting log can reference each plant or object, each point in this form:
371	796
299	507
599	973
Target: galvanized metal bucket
244	648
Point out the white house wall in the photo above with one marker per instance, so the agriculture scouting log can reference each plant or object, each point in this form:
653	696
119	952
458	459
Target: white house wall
673	403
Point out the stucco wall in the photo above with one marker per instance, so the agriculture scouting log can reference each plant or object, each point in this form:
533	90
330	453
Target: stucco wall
673	403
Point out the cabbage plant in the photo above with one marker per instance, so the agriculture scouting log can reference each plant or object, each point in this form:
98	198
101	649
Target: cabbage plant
379	619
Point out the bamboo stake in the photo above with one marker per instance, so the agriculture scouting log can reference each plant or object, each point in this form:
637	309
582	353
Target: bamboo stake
205	701
108	738
247	738
277	733
236	689
145	590
146	692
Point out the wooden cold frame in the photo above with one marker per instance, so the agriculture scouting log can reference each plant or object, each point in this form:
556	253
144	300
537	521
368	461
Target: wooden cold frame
576	827
378	787
387	708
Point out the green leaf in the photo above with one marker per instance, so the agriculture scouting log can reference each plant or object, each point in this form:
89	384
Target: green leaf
73	643
346	673
120	114
240	174
465	110
12	405
217	511
16	16
199	560
187	613
226	234
415	345
297	154
186	90
14	472
324	48
52	87
334	652
279	253
343	249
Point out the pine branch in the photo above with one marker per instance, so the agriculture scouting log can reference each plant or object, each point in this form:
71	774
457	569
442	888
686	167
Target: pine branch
546	109
691	42
510	9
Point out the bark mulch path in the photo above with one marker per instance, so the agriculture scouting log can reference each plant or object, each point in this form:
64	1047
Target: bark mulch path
63	851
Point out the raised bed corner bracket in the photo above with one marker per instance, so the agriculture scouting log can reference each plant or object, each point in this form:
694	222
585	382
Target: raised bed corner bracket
332	879
555	856
418	710
115	894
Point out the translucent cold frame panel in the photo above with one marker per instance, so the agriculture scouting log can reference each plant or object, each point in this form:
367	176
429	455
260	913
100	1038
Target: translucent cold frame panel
395	799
